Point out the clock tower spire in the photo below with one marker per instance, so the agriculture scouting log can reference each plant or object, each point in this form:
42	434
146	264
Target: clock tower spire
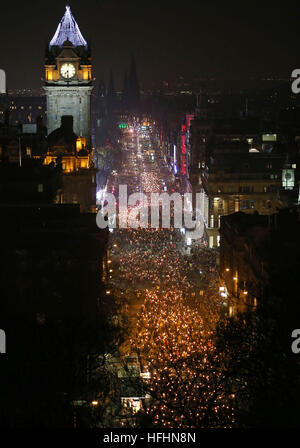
68	78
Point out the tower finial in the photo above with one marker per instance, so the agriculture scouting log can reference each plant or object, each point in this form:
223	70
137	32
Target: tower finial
68	29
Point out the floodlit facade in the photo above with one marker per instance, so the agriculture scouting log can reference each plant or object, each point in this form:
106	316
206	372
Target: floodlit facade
68	78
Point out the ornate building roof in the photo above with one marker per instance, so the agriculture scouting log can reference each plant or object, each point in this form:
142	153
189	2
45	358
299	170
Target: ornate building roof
68	30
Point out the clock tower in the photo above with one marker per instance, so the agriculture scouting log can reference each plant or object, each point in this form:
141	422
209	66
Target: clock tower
68	79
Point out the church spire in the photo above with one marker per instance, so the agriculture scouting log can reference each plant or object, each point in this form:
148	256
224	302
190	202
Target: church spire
68	30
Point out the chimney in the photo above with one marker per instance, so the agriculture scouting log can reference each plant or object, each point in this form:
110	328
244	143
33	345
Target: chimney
67	123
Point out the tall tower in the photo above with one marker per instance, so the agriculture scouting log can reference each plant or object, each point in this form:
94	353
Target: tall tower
68	78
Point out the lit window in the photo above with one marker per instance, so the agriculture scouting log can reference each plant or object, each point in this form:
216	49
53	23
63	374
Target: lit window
40	188
269	137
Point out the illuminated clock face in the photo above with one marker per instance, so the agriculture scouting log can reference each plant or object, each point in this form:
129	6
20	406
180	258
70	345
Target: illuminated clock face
67	70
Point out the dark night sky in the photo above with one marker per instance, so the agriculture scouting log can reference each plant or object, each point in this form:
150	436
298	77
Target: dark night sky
201	38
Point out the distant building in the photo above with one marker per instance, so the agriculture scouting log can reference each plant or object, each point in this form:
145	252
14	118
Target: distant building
259	257
235	166
24	107
19	142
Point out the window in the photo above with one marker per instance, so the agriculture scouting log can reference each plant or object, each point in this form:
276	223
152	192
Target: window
294	166
269	137
244	205
269	166
211	221
245	189
265	189
28	151
220	205
267	204
40	188
252	204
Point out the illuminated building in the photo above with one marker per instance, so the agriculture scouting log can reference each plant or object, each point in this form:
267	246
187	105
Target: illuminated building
68	78
236	168
78	175
184	145
70	149
68	86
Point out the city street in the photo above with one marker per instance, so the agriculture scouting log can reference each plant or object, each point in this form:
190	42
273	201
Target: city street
149	269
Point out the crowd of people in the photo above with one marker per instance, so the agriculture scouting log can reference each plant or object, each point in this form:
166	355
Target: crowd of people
180	296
